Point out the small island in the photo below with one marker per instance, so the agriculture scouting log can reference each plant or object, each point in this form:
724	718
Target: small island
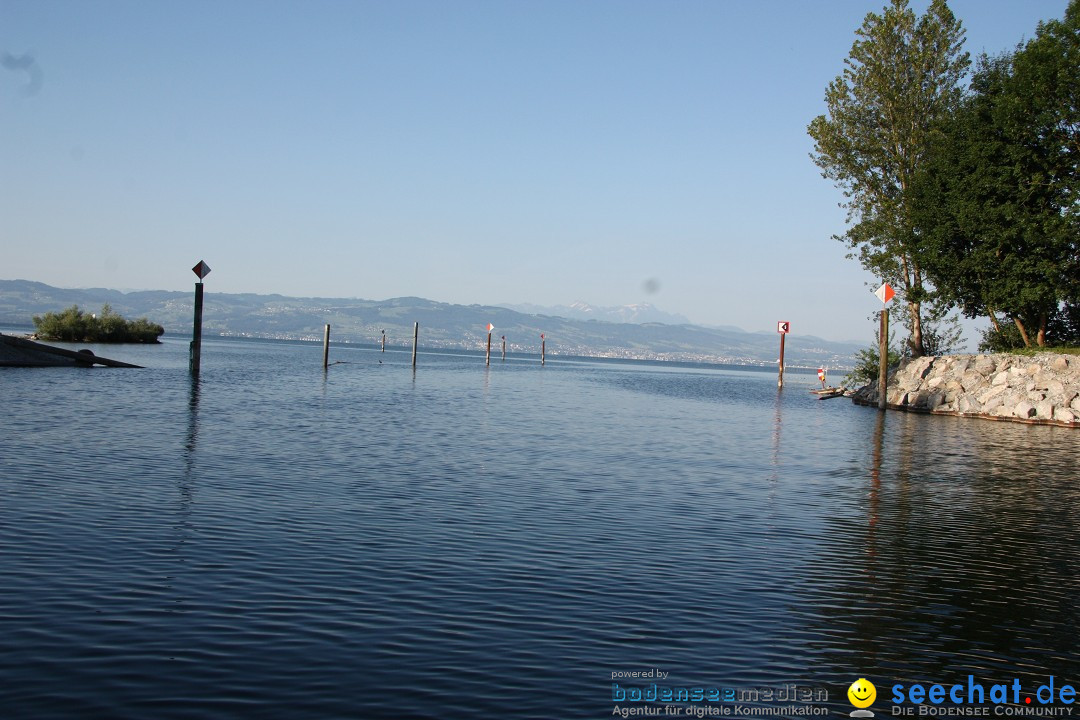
73	325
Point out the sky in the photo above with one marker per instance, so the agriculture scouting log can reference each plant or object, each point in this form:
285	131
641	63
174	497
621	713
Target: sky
514	151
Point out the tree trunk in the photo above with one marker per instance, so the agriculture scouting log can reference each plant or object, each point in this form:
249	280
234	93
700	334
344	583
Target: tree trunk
918	349
993	319
1023	331
1040	338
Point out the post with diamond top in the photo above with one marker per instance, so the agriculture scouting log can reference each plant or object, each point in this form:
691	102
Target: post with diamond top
487	357
885	293
783	327
202	270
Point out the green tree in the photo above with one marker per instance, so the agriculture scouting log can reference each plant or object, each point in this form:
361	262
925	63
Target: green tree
73	325
867	365
70	325
111	327
942	334
901	79
999	202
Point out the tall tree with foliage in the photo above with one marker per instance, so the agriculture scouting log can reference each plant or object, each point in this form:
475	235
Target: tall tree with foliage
901	79
999	202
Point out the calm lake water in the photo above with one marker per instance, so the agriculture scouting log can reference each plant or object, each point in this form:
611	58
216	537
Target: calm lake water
463	542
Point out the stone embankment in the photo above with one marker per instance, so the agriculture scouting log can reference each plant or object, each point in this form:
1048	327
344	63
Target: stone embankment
1044	388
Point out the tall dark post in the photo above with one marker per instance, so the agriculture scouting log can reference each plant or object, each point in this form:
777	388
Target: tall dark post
883	358
780	381
201	270
487	356
326	347
384	341
415	338
543	349
504	348
196	334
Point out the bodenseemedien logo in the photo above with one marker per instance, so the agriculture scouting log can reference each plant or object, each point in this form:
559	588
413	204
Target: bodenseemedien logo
861	694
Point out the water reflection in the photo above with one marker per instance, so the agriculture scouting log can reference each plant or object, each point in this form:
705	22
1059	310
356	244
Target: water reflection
595	518
956	568
191	438
777	423
192	422
777	443
185	484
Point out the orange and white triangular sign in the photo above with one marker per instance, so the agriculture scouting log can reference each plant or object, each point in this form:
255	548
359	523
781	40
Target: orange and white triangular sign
490	327
885	293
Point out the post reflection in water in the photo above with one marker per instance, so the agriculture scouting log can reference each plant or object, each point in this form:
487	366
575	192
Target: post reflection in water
192	426
954	568
874	493
778	421
185	483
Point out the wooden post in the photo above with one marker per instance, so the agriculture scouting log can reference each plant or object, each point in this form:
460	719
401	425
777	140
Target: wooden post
883	358
780	380
543	350
384	341
415	338
196	335
326	346
487	357
504	348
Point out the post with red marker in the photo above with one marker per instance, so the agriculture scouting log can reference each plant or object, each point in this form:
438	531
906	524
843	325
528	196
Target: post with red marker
783	327
487	357
202	270
885	293
542	348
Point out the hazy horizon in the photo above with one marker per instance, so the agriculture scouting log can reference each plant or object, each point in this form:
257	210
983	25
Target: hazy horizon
504	305
539	153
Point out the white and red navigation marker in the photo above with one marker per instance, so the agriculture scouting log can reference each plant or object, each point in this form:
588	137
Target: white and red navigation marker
885	293
490	327
783	327
202	269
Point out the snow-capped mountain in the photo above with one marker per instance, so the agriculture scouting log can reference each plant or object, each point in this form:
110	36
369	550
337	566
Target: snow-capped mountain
638	313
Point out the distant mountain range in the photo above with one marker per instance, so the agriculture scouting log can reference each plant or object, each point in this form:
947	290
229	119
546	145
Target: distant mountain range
615	332
641	313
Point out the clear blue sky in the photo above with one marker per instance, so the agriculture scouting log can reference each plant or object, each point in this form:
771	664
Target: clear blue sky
533	151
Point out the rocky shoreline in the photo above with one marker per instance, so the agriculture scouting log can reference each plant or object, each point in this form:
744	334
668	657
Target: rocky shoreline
1044	388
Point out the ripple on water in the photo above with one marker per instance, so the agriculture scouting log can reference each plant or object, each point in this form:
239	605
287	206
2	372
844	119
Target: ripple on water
482	543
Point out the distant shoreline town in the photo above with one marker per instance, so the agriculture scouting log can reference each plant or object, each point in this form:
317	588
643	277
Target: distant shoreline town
442	326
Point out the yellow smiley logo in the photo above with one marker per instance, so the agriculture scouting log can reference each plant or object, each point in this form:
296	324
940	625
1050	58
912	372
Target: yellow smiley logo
862	693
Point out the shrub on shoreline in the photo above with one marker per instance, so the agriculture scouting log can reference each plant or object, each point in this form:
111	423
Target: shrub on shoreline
73	325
